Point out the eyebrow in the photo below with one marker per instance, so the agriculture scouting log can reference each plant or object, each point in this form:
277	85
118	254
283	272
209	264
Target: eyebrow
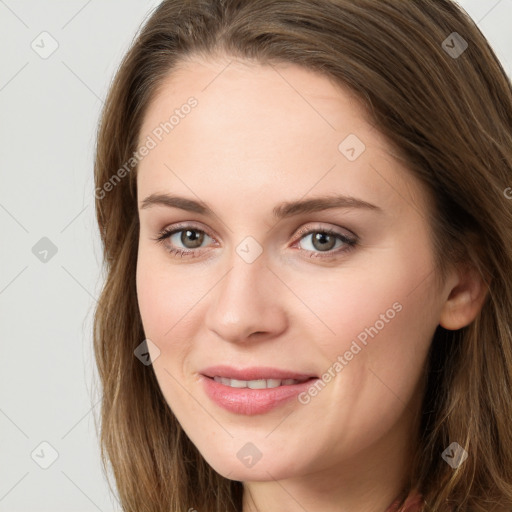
281	211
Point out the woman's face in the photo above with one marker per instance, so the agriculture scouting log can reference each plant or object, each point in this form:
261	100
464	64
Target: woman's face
261	284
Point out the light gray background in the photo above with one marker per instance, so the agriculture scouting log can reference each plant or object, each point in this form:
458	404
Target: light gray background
49	110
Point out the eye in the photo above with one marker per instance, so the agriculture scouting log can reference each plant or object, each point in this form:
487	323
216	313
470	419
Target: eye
323	243
189	236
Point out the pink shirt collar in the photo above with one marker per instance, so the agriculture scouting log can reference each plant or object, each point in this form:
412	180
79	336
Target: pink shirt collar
413	503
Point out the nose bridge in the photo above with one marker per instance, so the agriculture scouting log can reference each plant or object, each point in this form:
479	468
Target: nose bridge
243	302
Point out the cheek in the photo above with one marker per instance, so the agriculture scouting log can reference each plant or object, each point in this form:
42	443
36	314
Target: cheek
366	302
165	295
152	299
380	318
377	308
171	302
386	331
166	299
373	361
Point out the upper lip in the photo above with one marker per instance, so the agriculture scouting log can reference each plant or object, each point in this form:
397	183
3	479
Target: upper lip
253	373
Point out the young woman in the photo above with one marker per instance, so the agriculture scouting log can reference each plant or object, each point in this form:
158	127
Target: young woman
306	212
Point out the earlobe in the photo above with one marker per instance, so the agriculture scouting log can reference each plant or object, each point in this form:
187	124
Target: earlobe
465	300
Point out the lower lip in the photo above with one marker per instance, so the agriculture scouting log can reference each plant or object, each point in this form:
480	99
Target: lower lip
251	401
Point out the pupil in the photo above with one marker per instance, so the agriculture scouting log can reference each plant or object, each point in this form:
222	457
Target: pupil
197	239
323	239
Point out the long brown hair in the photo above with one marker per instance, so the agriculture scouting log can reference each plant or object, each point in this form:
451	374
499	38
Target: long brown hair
447	112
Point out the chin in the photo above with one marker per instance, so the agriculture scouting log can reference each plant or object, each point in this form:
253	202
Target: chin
264	470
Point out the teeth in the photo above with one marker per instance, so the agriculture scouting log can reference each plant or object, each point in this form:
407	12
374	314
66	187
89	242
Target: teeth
256	384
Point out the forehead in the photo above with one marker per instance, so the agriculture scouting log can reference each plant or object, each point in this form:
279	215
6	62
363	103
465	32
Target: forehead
270	94
258	125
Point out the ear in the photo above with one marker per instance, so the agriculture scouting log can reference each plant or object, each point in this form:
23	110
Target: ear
465	298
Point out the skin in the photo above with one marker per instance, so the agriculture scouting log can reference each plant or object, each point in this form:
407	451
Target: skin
258	137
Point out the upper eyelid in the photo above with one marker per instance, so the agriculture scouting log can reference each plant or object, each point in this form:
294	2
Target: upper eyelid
182	227
307	230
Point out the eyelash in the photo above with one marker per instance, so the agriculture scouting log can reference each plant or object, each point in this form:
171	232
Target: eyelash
349	242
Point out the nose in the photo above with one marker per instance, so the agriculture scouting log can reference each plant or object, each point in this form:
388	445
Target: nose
248	303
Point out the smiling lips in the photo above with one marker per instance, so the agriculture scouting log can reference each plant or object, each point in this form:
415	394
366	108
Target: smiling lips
256	383
252	390
254	373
